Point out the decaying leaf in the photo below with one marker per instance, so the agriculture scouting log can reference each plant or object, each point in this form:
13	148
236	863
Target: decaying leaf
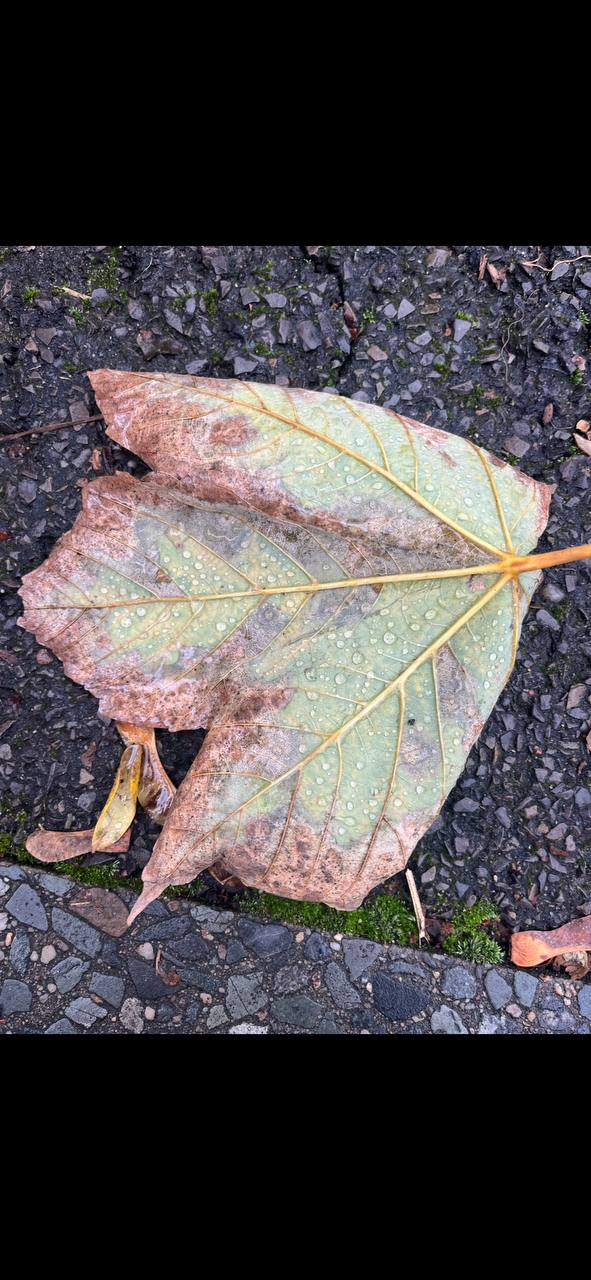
119	811
156	792
536	946
333	590
59	846
576	963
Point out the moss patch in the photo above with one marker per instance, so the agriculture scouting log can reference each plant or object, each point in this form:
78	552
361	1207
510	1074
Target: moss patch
468	938
384	919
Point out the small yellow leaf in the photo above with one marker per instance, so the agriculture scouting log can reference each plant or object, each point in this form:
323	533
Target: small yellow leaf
119	811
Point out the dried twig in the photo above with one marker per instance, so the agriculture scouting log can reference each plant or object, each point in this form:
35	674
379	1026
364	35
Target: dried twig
418	910
73	293
559	262
51	426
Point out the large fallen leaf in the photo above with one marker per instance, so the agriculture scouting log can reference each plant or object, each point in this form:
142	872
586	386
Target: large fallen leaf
344	650
536	946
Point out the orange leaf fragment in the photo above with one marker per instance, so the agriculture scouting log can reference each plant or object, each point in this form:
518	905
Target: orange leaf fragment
535	947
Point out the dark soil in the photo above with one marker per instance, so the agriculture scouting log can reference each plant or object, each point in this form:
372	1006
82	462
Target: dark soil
515	383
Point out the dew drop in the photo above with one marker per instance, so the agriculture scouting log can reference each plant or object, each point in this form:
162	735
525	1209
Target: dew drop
389	638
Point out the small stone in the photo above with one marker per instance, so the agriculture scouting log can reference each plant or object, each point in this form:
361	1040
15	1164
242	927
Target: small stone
68	973
466	806
196	367
149	1013
503	818
405	309
248	297
26	905
85	1012
309	334
553	593
244	366
344	995
429	875
48	954
514	444
461	328
146	951
27	491
130	1016
248	1029
458	983
396	999
514	1010
446	1021
499	991
582	797
423	339
557	1020
545	619
245	995
438	257
297	1011
265	940
275	300
525	988
216	1017
585	1001
108	987
146	981
15	997
316	947
541	346
63	1027
19	953
376	354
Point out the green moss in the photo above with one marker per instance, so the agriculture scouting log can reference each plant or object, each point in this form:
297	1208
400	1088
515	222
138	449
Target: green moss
559	611
512	459
211	299
266	272
368	316
384	919
30	293
474	398
467	938
584	318
77	316
465	315
103	275
442	368
576	377
261	350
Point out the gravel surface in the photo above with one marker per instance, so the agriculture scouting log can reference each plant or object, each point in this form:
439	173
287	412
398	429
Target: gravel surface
501	360
192	969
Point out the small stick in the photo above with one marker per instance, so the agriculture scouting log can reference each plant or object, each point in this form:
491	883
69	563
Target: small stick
559	263
51	426
418	910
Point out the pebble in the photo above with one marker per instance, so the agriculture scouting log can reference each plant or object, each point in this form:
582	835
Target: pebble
19	953
81	935
458	983
68	972
130	1016
405	309
297	1011
525	988
359	954
149	1013
446	1021
146	951
344	995
48	954
545	619
248	1029
309	334
461	328
499	991
63	1027
85	1012
108	987
245	995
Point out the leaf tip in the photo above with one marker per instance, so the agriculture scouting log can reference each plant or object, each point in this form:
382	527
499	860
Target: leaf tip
149	893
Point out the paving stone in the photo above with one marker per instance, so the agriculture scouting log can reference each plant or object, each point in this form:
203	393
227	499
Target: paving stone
557	1020
498	990
146	981
216	1017
265	940
15	997
55	884
344	995
360	955
26	906
447	1021
525	988
458	983
68	972
585	1001
108	987
297	1011
20	950
81	935
317	947
244	995
63	1027
396	999
85	1012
